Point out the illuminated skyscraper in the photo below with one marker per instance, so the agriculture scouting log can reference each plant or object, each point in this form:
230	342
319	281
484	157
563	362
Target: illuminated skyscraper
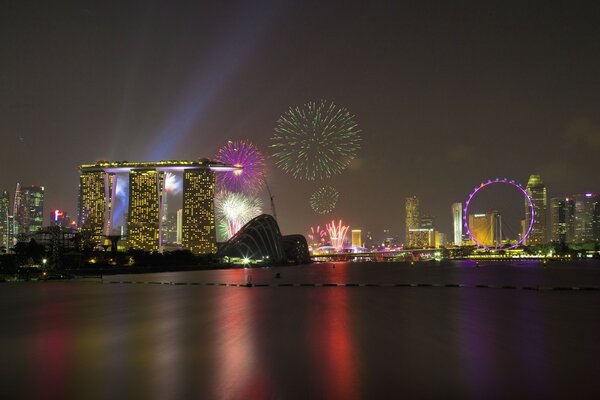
103	186
413	217
421	238
563	219
179	226
537	191
457	223
28	209
587	218
198	225
145	204
4	214
357	238
440	239
95	199
486	228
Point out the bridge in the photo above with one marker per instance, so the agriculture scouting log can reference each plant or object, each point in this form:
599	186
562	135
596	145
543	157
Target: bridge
407	254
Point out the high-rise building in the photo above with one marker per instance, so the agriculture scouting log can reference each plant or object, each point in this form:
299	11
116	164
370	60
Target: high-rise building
198	225
4	214
486	228
357	238
413	217
457	223
179	226
28	209
145	205
537	191
427	222
98	196
562	219
587	218
421	238
440	239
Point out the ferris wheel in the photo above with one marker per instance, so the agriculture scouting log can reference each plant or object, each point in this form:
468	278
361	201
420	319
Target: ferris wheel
492	237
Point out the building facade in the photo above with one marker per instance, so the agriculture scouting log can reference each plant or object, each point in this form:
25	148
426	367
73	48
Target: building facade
486	228
357	238
5	238
587	218
421	238
145	205
537	191
562	216
413	217
198	232
28	210
457	223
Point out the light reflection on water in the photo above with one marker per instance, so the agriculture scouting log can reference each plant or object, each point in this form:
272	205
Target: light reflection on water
82	340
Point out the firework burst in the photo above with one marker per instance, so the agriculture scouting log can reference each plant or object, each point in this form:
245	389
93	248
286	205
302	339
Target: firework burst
317	236
324	200
173	183
234	210
245	154
315	140
337	234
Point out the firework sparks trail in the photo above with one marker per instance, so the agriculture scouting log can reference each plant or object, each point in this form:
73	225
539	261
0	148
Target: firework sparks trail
317	236
337	234
251	178
234	210
315	140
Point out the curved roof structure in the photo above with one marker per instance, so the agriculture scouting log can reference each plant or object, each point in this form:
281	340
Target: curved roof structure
260	238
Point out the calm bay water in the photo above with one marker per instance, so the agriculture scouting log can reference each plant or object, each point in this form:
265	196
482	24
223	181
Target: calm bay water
87	339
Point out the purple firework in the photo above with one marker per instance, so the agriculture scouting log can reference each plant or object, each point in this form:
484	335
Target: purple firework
245	154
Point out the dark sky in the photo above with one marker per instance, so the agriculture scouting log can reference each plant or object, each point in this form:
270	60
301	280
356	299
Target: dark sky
447	94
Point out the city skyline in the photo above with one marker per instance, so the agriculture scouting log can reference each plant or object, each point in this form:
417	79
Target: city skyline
439	110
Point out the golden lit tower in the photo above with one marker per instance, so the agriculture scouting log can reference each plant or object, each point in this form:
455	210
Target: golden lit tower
145	200
198	222
95	199
537	191
413	217
357	238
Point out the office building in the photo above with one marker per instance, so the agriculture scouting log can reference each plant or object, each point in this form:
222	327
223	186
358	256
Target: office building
457	223
563	219
28	210
413	217
357	238
587	218
5	239
537	191
421	238
440	239
198	225
145	206
486	228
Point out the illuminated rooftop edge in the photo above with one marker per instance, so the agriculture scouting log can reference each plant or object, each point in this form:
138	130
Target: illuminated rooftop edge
165	165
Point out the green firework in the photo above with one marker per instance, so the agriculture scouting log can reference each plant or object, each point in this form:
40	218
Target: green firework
324	200
315	140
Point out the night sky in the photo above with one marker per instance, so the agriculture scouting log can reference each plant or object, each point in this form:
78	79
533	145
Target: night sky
447	94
